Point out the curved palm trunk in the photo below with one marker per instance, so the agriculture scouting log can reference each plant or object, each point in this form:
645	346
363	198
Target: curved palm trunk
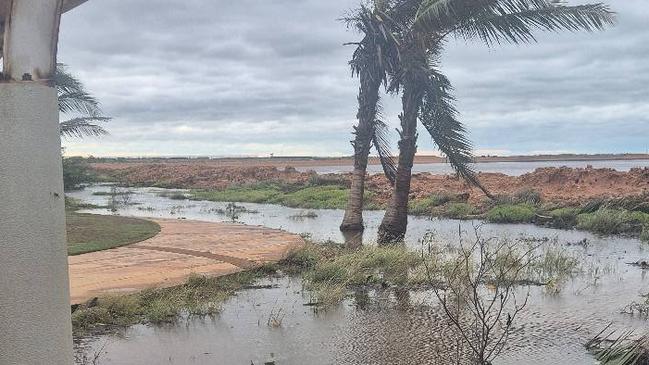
368	98
394	224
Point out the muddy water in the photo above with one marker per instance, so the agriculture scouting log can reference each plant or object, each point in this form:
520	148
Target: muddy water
384	329
507	168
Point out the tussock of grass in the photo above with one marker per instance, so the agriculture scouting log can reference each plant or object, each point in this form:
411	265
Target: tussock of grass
426	206
613	221
386	266
507	213
459	210
553	265
200	295
564	218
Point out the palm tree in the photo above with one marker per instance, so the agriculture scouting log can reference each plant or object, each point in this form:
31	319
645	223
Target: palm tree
74	100
376	56
427	92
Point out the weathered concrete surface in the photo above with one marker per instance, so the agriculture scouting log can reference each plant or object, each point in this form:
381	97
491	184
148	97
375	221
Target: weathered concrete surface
31	35
34	297
180	249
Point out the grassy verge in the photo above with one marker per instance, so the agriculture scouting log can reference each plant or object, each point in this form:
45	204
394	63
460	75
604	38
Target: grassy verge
90	233
309	197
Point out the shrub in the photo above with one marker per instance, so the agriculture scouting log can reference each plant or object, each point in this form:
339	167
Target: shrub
76	172
508	213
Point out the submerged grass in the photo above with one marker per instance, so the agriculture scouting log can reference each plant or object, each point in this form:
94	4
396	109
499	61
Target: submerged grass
200	295
329	280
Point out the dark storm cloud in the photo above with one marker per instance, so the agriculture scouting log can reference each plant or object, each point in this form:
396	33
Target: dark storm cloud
261	76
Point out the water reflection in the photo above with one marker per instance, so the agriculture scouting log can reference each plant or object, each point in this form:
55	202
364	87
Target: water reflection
380	326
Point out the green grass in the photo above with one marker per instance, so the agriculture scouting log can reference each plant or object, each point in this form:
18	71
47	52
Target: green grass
428	205
459	210
311	197
613	221
564	218
508	213
198	296
90	233
330	278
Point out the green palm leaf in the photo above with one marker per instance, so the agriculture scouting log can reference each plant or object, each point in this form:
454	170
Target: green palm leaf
440	118
517	22
82	127
75	100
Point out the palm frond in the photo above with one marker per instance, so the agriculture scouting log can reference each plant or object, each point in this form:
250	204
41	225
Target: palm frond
381	142
72	95
79	102
439	117
377	53
82	127
515	23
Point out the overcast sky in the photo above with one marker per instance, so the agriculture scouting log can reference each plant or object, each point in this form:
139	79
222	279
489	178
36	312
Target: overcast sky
254	77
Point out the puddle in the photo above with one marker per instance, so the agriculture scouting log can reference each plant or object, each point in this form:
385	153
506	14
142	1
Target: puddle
389	330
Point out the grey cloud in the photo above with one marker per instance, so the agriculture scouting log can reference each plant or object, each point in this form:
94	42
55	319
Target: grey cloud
260	76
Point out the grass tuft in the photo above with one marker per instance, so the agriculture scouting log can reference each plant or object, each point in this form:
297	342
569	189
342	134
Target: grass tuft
508	213
613	221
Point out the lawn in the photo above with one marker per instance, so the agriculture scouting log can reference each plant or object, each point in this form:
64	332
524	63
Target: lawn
90	233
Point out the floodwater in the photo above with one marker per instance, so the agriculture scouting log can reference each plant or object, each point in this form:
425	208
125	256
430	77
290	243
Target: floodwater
377	327
507	168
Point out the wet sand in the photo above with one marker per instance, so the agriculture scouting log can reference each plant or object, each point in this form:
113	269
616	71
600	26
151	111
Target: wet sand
181	248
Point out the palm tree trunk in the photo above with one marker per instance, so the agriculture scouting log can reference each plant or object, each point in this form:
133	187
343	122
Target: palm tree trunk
394	224
368	98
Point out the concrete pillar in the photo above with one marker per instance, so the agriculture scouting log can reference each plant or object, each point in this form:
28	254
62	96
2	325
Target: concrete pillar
35	326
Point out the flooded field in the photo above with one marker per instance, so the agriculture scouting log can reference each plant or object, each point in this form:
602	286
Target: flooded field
376	327
507	168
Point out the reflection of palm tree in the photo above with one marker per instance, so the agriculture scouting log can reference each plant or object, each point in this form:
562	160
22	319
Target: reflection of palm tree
75	101
427	92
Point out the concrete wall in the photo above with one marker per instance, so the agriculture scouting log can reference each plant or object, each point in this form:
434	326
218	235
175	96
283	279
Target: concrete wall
35	323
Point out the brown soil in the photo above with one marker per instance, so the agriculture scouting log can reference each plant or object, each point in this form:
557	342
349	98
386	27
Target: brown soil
563	185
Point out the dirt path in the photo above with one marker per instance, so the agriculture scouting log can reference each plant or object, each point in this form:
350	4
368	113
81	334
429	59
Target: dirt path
182	248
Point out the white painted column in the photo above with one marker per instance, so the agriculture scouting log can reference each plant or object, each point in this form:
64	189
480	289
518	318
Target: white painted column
35	326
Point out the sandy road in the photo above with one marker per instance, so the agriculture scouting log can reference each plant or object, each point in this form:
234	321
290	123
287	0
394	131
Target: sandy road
180	249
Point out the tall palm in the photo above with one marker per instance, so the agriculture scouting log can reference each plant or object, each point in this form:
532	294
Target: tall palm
427	92
76	102
376	56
